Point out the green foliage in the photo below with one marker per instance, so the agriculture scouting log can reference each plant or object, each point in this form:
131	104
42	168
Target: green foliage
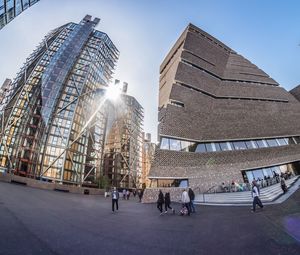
104	182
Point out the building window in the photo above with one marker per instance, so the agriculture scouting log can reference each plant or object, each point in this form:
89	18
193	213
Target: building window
175	145
188	146
281	141
224	146
251	144
297	139
177	103
209	147
217	146
200	148
272	142
185	146
239	145
165	144
260	144
289	140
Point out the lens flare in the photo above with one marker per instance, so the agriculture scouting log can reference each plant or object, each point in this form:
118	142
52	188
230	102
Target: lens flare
113	92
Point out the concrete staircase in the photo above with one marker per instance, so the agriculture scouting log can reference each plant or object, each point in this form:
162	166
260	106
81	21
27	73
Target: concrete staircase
267	195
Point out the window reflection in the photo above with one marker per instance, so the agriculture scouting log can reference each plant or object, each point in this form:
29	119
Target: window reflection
200	148
224	146
272	142
239	145
251	144
165	144
175	145
185	146
209	147
260	144
281	141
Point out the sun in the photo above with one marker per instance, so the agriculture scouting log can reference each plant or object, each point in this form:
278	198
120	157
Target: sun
113	92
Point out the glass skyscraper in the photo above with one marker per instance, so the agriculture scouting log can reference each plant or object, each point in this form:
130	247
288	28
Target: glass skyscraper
123	148
53	124
9	9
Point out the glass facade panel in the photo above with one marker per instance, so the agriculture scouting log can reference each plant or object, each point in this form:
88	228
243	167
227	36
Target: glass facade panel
251	144
185	146
260	143
272	142
224	146
258	174
281	141
268	172
209	147
182	183
201	148
249	176
289	140
217	146
9	9
2	9
239	145
165	145
175	145
25	4
297	139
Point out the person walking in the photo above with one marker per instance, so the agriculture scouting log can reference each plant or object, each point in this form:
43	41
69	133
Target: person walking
192	198
185	199
168	203
160	202
283	185
124	194
255	195
115	199
140	194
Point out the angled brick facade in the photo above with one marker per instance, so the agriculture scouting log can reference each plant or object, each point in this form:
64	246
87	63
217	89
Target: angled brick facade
208	93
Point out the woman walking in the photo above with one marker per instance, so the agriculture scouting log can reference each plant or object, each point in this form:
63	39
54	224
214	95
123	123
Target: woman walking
168	203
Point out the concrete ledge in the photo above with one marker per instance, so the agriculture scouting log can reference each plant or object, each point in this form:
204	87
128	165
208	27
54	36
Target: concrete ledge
49	185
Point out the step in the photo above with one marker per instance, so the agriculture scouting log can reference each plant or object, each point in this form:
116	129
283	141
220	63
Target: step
268	194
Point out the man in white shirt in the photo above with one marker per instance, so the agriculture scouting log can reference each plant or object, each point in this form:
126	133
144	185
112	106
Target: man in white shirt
115	198
255	195
185	199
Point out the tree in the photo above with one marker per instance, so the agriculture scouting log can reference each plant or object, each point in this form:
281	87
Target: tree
103	182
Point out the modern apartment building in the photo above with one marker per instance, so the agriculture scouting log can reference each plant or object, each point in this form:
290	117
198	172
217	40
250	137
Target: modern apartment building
123	148
9	9
221	118
4	93
53	125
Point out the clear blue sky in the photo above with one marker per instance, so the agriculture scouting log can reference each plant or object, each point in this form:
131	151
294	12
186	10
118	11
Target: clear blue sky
267	32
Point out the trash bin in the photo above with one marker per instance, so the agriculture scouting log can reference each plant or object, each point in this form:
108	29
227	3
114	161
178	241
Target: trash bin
86	192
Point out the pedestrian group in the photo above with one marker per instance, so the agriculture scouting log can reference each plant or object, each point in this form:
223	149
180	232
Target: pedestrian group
187	199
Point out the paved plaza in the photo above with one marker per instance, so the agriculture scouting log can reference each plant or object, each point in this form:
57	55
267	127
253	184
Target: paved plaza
34	221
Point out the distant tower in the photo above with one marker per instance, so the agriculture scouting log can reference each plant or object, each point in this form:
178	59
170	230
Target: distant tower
54	125
9	9
123	149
